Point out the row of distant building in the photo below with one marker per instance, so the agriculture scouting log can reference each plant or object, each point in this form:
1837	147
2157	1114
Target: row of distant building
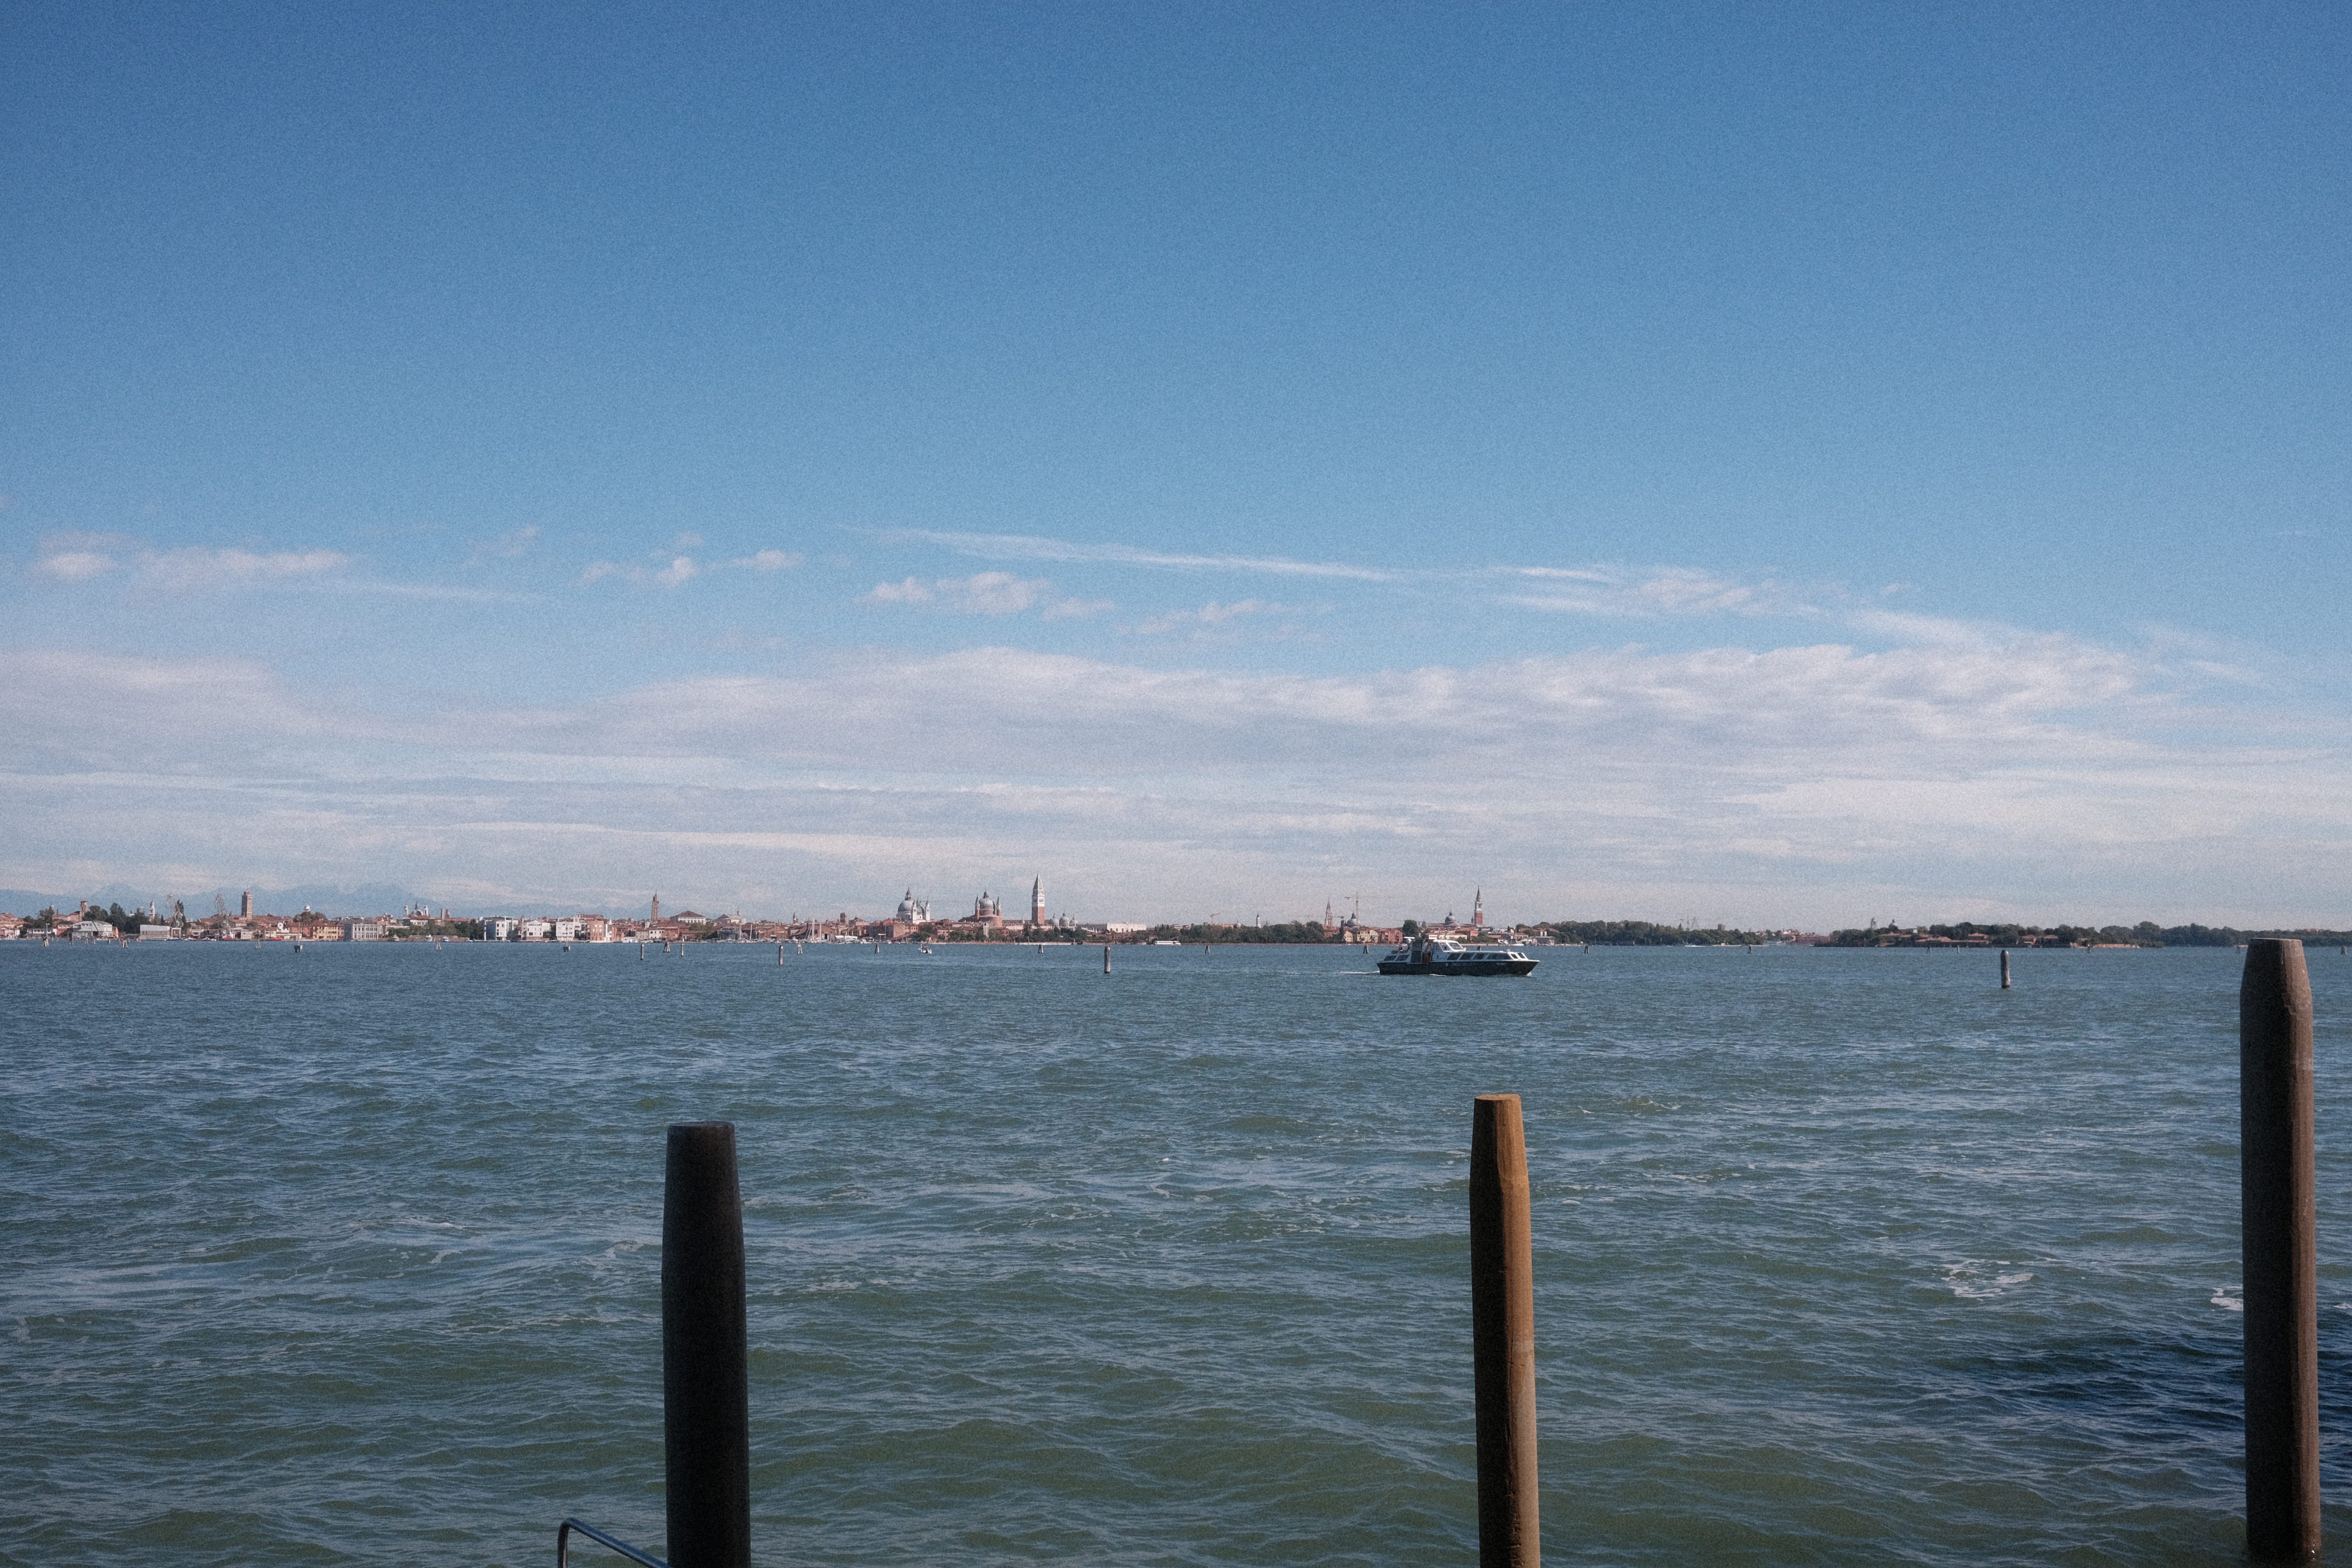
88	923
912	919
150	924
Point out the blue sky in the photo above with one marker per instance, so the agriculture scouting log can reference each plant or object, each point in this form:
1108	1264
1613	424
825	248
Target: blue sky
1658	461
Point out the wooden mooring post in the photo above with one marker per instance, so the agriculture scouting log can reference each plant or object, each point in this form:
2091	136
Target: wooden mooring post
705	1378
1503	1322
2278	1195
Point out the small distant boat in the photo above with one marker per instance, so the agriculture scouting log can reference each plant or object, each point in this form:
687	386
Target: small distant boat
1445	955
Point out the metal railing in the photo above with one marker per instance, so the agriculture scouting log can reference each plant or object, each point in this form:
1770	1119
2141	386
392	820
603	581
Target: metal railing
564	1544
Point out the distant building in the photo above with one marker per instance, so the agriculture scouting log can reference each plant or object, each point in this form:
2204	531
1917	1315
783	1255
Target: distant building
245	906
498	928
567	929
363	931
914	911
536	929
1037	902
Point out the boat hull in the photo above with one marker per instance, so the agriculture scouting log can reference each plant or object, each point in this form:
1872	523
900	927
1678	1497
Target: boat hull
1464	966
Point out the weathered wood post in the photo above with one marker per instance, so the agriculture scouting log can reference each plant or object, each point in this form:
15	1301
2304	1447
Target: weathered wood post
1106	958
2004	969
2279	1211
1503	1322
705	1380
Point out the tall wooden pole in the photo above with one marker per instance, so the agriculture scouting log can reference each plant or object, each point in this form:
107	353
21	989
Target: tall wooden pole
2278	1208
1503	1318
705	1380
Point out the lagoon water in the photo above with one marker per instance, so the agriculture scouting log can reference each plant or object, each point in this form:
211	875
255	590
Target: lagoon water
352	1255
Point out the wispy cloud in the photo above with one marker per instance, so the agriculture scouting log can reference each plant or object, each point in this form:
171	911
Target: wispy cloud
1667	591
435	592
76	557
680	569
985	594
163	716
74	565
80	558
194	567
1614	592
1567	573
676	571
1213	619
506	546
1032	547
1611	592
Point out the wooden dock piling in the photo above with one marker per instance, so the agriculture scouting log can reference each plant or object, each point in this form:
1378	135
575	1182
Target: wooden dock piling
2278	1198
2004	969
1503	1320
706	1377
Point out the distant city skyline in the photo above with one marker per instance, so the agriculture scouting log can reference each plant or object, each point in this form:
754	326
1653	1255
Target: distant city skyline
380	899
1781	467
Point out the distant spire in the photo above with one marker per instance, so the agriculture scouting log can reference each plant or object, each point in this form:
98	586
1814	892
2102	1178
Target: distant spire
1478	909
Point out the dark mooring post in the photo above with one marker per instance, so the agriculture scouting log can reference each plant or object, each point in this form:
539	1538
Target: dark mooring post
1503	1320
2004	969
2278	1199
706	1382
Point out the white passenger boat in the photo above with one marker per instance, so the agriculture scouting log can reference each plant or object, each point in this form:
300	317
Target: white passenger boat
1427	954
